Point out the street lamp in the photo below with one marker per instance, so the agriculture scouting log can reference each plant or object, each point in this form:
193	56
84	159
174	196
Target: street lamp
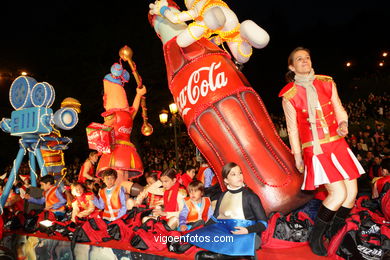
175	121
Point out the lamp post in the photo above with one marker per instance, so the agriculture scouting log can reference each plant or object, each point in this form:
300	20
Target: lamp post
175	120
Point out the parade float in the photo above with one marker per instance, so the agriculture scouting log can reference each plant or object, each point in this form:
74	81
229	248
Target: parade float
225	118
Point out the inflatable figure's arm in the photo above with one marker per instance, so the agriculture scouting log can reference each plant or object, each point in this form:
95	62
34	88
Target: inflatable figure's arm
339	111
137	99
161	8
293	134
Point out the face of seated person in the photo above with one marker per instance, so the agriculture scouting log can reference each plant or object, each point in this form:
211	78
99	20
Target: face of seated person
235	179
109	181
167	182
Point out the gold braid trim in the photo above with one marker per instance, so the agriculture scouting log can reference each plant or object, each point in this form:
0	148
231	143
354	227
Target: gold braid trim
290	93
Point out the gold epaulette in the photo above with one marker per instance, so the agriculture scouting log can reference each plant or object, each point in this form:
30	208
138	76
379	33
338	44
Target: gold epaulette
289	94
324	78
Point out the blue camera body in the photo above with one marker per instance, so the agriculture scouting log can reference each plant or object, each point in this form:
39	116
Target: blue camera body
33	115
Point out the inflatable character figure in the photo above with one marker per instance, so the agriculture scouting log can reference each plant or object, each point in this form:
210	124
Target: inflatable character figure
226	119
119	115
214	17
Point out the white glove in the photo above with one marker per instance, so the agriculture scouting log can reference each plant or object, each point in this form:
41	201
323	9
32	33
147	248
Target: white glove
156	7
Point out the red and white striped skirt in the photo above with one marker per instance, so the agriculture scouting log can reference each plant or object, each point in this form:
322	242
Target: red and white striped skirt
336	163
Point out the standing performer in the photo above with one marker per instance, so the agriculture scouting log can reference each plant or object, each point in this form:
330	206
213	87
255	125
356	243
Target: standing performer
87	171
124	157
317	124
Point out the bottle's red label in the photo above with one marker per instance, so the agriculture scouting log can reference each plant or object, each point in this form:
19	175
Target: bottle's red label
203	82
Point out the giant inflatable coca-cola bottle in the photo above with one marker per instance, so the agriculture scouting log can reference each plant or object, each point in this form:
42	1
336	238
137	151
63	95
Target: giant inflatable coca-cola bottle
228	121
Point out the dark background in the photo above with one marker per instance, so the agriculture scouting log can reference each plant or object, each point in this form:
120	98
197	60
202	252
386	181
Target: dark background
72	44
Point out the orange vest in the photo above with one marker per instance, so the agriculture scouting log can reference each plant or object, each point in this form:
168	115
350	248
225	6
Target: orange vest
51	199
200	176
193	212
114	204
326	119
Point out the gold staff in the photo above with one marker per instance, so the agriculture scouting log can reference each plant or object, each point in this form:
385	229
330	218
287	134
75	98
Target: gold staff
126	54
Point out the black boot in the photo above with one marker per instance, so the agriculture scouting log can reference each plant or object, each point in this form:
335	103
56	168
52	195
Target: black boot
338	221
321	224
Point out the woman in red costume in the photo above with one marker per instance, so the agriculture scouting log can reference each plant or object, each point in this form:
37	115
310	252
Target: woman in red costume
119	115
317	124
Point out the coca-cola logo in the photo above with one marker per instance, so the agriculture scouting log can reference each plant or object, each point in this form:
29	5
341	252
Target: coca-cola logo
124	130
200	84
94	135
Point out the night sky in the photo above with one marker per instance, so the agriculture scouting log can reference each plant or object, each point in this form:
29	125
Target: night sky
72	44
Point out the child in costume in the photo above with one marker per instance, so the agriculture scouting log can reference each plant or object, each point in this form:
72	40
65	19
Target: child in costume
52	197
112	199
174	196
238	214
197	209
188	176
82	205
87	171
206	175
153	192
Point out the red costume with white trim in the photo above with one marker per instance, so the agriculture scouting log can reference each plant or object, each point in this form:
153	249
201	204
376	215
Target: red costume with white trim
337	161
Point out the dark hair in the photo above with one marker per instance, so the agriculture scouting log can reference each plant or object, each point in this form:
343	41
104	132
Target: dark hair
170	173
227	168
196	185
79	184
153	175
189	168
290	61
385	164
47	179
110	172
92	153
